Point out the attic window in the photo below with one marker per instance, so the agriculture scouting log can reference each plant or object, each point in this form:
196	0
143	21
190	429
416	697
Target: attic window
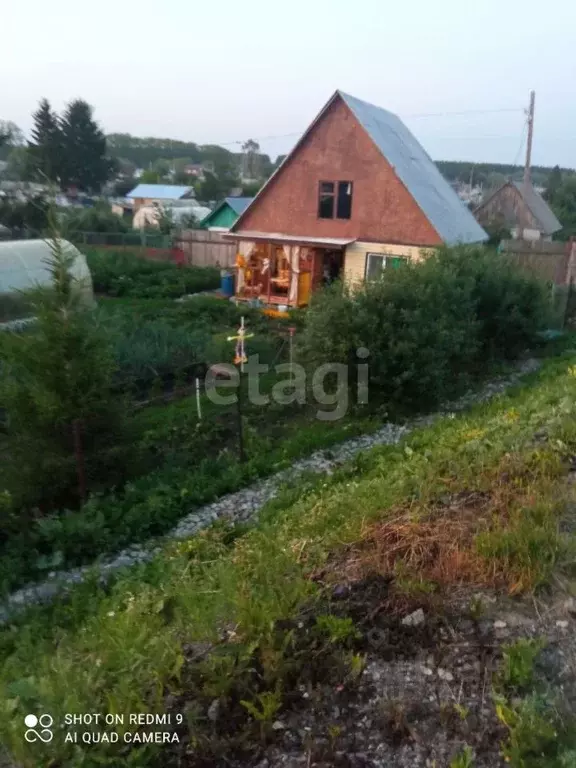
332	205
326	200
344	206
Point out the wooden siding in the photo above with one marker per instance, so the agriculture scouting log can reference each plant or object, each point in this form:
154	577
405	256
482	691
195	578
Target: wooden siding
355	257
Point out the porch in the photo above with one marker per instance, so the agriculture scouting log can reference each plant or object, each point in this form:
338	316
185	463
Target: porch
279	270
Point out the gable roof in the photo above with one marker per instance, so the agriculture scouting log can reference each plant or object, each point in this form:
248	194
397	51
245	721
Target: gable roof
413	166
539	208
159	191
237	204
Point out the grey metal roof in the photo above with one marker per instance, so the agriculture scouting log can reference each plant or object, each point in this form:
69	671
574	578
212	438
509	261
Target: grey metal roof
238	204
539	207
160	191
417	171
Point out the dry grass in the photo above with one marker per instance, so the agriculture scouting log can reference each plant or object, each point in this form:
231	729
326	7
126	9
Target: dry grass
438	541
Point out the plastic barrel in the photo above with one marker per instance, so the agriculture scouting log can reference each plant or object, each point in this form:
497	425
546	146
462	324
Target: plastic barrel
227	285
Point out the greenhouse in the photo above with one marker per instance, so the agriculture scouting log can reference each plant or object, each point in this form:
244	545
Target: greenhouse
24	264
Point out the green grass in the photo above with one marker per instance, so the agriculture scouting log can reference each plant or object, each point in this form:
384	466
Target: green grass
122	649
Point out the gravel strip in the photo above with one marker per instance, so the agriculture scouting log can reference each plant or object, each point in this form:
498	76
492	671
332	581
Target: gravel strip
245	504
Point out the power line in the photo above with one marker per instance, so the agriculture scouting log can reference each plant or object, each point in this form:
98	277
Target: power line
405	117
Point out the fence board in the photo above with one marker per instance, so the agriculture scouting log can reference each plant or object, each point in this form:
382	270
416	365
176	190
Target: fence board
203	248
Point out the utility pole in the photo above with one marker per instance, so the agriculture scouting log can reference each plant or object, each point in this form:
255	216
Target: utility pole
529	142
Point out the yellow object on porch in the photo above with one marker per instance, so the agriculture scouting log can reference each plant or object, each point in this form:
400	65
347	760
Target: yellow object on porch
304	288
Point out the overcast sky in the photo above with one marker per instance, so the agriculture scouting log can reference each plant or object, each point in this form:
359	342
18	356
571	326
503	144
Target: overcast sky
227	70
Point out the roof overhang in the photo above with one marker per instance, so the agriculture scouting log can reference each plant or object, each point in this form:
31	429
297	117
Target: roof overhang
277	238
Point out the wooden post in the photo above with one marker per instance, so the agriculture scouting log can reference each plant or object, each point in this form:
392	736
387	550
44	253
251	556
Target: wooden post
239	361
529	141
270	270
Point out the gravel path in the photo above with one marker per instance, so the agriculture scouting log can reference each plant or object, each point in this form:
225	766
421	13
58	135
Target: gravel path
245	504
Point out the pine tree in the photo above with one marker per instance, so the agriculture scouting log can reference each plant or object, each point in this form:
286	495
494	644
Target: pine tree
85	163
46	150
57	381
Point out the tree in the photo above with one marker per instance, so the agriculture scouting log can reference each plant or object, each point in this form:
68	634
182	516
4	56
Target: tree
10	137
57	388
563	203
46	149
85	164
150	177
211	188
554	183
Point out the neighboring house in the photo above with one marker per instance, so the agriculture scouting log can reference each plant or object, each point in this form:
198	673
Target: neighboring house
225	213
521	209
148	194
356	195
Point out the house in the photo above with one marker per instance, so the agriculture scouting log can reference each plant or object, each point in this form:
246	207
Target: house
517	206
226	213
159	194
356	195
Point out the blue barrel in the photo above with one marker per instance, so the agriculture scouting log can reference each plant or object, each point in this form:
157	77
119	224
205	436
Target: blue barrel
227	285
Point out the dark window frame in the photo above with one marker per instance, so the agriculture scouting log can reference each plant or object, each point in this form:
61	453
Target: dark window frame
325	195
344	201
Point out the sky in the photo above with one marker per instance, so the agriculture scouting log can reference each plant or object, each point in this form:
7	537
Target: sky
223	72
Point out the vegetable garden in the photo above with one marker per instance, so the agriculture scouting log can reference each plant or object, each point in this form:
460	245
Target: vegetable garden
88	469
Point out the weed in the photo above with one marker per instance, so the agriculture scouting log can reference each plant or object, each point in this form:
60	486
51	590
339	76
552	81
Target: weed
518	662
264	708
464	760
338	631
541	734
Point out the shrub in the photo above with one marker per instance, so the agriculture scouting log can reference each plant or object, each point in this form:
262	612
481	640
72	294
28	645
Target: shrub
428	326
97	219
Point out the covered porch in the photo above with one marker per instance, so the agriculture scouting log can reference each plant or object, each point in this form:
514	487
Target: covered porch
282	271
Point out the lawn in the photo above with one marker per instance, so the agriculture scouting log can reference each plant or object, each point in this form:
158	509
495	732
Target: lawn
211	619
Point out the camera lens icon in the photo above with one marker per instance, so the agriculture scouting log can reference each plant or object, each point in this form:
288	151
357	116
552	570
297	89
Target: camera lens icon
45	722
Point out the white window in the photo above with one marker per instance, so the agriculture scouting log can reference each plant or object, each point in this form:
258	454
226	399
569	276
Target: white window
377	262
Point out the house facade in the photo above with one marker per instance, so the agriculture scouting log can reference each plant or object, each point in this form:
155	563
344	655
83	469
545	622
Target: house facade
356	195
517	206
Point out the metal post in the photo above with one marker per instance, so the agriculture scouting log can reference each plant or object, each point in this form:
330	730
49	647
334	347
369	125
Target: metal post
198	405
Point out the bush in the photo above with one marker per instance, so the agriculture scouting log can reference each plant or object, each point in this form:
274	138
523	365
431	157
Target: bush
117	273
429	326
97	219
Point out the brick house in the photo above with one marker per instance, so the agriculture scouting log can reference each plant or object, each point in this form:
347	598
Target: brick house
357	194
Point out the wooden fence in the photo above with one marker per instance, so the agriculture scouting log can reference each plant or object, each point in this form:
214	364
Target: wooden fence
203	248
550	261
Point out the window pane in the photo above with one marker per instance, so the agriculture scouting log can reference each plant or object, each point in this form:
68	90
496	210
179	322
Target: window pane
374	266
326	200
393	262
344	206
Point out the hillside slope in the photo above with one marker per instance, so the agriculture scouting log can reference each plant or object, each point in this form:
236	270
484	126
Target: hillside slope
413	609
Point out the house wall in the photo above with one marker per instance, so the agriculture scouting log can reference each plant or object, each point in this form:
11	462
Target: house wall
339	149
507	207
225	217
355	257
